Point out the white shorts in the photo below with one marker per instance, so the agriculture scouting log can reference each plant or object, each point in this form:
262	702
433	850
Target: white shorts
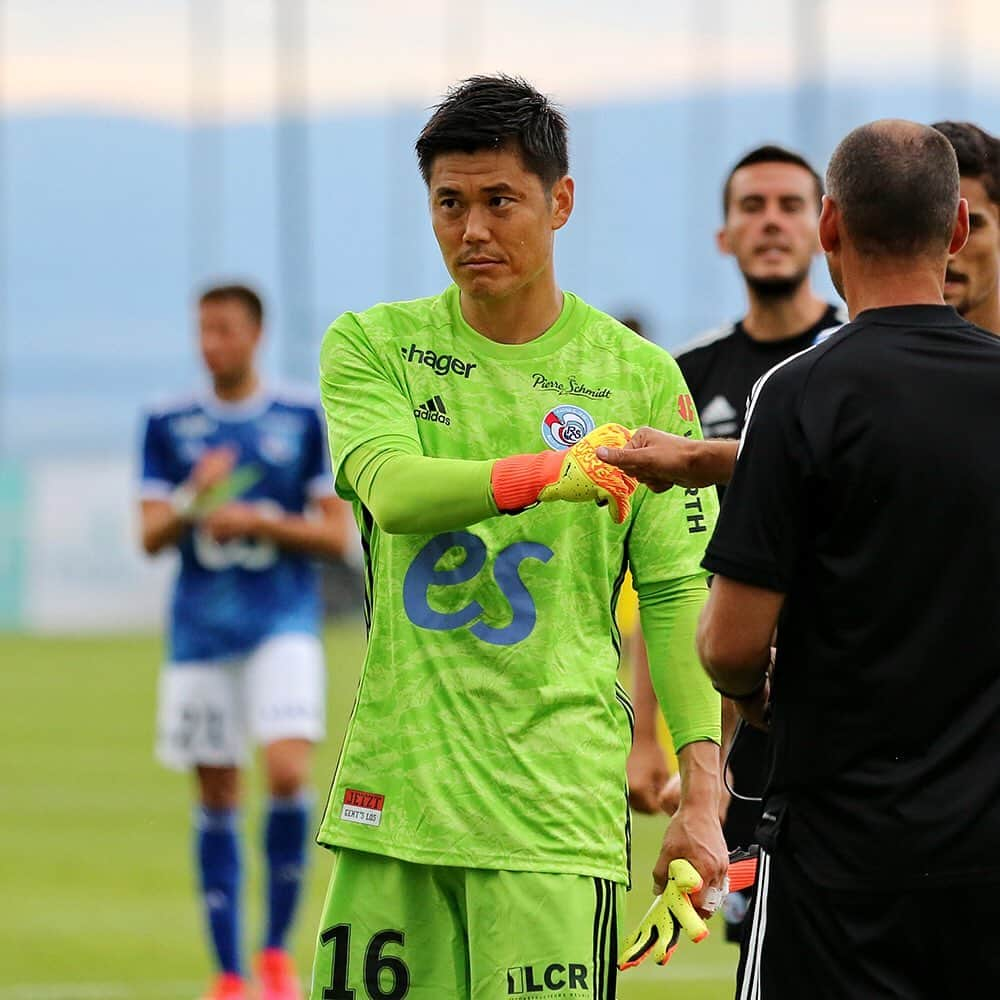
214	712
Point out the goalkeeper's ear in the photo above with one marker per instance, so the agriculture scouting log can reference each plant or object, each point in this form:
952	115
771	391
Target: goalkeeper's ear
561	198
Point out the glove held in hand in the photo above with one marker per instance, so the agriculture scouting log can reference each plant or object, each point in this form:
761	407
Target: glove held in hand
660	929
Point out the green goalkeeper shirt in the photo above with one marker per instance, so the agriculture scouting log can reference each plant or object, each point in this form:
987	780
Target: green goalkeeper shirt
489	730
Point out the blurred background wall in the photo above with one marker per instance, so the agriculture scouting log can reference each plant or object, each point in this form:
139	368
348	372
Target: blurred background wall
149	148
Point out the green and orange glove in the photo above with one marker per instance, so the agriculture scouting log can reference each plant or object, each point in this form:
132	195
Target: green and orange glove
660	929
672	911
576	475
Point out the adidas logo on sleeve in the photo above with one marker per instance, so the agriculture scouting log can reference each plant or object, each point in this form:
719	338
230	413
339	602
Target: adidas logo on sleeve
434	410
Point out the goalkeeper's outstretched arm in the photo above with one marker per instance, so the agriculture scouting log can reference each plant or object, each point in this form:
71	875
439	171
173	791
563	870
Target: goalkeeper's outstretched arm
416	494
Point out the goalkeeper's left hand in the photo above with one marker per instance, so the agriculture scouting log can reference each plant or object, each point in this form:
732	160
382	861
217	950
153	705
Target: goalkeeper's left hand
576	475
660	929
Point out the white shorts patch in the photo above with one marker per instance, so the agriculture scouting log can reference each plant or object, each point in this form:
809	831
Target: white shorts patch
215	712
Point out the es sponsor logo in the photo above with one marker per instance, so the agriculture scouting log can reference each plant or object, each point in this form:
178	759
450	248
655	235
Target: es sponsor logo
564	425
362	807
569	387
546	980
440	364
456	558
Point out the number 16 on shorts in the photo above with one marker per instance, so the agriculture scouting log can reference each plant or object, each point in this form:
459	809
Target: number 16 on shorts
385	975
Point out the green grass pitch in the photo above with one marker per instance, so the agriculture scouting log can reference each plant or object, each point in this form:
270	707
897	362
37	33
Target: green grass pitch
95	845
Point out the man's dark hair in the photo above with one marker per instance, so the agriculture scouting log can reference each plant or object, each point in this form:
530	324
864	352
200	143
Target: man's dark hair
896	185
247	297
771	154
494	112
978	154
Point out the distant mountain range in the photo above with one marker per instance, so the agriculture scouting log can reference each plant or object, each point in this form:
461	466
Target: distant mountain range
104	243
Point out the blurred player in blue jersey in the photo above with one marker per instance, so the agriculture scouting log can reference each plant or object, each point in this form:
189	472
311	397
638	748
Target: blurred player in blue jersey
236	479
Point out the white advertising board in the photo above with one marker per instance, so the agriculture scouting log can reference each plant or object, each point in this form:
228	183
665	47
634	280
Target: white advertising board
85	570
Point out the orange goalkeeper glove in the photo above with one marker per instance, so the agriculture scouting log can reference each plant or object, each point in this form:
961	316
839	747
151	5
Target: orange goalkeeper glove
576	475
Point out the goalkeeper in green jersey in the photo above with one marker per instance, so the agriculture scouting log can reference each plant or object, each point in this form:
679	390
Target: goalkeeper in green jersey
478	815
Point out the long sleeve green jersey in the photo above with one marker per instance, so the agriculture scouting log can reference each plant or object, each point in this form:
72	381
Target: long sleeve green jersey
489	729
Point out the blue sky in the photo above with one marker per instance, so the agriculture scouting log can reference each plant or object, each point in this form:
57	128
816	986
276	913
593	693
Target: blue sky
134	55
104	245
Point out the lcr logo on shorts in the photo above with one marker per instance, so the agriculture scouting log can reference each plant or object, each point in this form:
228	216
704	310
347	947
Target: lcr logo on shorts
556	980
564	425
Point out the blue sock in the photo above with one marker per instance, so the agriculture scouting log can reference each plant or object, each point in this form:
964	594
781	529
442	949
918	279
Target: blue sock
285	839
218	850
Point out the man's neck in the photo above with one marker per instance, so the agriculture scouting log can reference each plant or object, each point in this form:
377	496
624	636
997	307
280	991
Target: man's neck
986	314
877	284
517	318
236	390
780	319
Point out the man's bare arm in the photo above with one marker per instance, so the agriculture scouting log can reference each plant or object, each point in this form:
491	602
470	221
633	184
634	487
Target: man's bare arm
660	460
694	832
734	642
646	760
161	525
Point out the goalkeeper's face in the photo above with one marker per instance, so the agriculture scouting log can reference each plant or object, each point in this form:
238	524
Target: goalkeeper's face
495	220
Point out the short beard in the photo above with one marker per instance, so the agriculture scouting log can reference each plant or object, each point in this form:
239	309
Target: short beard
775	289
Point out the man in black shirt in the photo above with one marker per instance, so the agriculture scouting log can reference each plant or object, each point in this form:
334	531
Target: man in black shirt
863	513
721	368
771	202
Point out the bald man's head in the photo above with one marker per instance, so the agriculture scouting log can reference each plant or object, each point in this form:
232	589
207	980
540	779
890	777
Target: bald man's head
896	185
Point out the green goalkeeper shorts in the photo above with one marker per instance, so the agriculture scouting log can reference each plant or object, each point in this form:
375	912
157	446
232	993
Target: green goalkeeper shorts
392	929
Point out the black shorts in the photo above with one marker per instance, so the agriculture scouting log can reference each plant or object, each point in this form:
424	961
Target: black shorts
803	940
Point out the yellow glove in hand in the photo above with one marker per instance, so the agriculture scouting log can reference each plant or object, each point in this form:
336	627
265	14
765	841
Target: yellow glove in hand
671	912
575	475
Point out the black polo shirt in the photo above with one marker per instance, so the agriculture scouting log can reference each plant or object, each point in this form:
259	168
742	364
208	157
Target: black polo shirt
868	492
721	367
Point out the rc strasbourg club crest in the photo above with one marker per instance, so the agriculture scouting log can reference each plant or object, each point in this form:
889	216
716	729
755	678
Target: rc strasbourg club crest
564	425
